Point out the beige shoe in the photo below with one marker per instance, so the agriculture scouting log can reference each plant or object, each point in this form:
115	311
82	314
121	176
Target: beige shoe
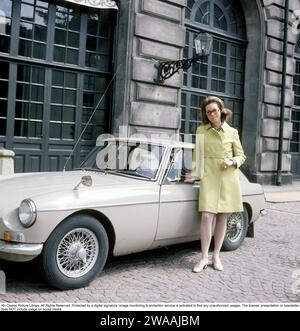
202	265
217	265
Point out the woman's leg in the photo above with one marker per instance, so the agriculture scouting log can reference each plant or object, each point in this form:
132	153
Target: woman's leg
205	237
205	233
220	231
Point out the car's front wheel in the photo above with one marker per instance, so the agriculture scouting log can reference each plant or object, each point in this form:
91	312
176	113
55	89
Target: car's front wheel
75	253
237	226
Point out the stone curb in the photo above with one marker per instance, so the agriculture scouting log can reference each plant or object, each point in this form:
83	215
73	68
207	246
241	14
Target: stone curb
292	196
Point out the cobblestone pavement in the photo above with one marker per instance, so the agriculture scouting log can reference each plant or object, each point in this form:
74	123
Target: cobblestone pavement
264	269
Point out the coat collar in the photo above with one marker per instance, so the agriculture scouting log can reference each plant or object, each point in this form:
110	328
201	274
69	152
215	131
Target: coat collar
224	126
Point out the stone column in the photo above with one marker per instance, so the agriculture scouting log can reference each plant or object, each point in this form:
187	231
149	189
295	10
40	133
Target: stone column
6	162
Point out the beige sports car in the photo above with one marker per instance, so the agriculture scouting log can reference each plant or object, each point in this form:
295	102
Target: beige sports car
129	195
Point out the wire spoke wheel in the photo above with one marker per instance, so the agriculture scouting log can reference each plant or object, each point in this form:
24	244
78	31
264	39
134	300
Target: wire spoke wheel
77	252
235	226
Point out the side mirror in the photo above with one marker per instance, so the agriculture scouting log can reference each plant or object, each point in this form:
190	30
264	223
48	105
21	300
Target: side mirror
86	181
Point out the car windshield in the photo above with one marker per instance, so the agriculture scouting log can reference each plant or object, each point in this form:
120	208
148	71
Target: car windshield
137	159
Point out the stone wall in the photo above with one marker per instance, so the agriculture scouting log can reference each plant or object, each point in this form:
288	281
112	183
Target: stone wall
157	33
153	30
268	154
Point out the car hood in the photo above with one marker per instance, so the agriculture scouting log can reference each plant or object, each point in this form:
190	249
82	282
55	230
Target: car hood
47	188
56	180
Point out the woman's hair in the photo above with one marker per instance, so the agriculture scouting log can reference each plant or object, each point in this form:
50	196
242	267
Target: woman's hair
225	113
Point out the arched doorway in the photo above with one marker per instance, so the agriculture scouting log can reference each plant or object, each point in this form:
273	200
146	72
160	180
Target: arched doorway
222	73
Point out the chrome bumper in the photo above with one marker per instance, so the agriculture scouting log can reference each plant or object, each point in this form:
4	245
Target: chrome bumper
28	251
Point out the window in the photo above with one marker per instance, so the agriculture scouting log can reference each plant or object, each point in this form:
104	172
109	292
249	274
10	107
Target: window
5	25
54	70
134	159
98	41
93	91
29	101
295	142
181	168
67	35
63	105
222	73
33	29
4	74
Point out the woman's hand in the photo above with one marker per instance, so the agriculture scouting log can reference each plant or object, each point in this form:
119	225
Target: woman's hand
226	164
188	179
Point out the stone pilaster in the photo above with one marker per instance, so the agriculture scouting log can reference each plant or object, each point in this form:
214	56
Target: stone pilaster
159	34
268	154
6	162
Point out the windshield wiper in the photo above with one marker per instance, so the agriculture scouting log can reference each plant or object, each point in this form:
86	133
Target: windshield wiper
86	169
91	169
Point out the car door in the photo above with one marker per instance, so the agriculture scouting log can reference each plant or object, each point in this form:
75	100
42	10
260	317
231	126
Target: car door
178	214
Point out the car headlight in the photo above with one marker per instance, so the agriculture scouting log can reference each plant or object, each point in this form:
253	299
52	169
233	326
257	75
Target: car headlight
27	213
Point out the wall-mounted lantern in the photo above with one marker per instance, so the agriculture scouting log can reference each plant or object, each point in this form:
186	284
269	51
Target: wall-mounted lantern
167	69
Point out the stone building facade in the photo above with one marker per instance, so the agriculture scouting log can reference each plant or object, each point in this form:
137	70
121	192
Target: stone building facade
157	31
245	69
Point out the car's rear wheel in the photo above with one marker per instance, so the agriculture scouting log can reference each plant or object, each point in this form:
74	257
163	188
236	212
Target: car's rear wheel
75	253
237	226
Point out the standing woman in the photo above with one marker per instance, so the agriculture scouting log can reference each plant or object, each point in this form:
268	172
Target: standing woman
220	191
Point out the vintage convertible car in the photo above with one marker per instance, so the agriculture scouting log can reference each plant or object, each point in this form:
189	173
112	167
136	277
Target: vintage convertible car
128	196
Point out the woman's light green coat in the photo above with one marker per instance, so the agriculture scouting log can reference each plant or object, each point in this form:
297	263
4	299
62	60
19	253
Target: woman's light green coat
220	190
